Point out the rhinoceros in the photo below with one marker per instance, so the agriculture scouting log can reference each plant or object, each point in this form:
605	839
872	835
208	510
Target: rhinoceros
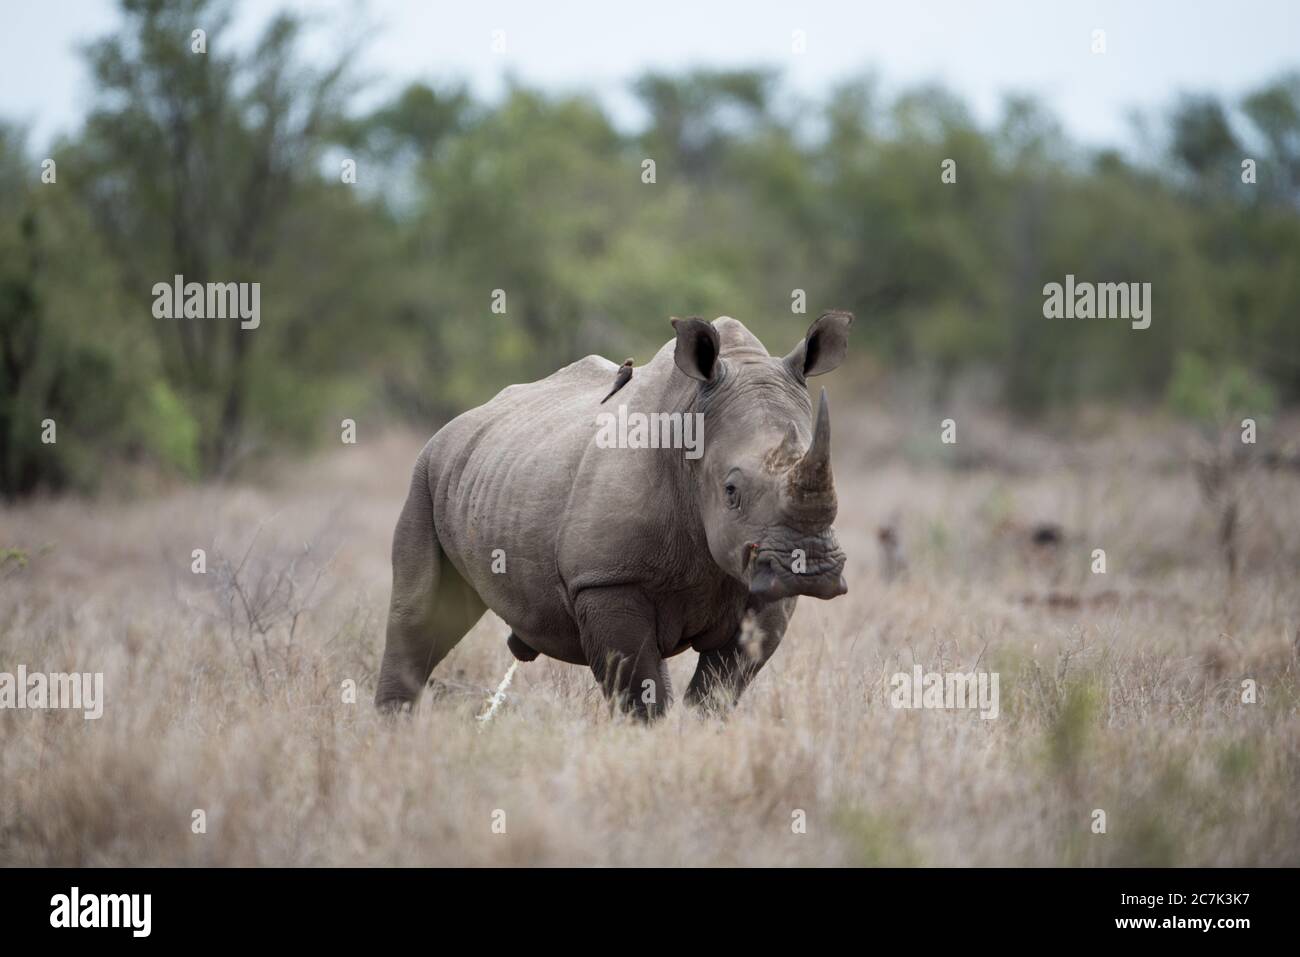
620	557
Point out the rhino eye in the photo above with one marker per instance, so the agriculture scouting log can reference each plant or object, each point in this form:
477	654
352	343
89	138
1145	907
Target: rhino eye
733	495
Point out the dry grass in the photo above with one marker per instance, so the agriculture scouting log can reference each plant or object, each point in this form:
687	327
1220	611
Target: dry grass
1119	692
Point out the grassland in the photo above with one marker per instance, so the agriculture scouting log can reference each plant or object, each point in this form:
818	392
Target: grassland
228	692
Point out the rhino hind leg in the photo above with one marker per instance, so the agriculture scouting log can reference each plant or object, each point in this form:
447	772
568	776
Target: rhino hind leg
432	606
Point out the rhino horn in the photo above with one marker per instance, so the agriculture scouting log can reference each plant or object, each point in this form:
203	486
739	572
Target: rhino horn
811	483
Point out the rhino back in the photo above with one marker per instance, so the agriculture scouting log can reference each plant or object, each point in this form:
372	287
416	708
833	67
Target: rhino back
500	477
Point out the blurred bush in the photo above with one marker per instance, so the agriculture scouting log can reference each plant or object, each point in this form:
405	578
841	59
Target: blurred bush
376	296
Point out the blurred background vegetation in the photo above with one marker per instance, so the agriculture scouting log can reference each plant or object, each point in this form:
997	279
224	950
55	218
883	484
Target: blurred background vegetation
376	297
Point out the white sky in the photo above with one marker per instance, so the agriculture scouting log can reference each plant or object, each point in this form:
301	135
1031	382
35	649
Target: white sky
980	48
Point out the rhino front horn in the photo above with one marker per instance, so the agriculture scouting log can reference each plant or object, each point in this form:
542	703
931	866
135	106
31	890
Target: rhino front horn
815	467
811	483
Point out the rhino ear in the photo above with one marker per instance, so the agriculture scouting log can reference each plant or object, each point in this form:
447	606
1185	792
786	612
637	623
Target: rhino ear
823	346
697	348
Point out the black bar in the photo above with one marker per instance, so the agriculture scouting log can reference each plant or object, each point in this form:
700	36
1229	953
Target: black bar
499	908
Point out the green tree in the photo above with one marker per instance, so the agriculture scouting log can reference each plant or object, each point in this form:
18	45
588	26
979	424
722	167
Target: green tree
66	355
197	164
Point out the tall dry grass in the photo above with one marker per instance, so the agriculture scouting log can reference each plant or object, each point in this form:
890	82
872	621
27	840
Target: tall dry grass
225	692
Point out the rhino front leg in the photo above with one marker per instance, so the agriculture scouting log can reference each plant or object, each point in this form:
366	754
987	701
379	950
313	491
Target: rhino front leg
724	672
619	639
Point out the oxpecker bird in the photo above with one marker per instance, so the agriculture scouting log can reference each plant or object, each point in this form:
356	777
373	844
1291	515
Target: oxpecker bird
623	378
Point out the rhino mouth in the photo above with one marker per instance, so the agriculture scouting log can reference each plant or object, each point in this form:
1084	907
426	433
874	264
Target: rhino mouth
777	572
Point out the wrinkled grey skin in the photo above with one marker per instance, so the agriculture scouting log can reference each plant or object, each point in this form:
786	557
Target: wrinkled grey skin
620	558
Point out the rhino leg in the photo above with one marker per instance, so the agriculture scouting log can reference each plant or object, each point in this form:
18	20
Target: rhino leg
432	605
617	629
724	672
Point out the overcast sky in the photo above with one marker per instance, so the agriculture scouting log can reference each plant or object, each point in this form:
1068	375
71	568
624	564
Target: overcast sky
1155	48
